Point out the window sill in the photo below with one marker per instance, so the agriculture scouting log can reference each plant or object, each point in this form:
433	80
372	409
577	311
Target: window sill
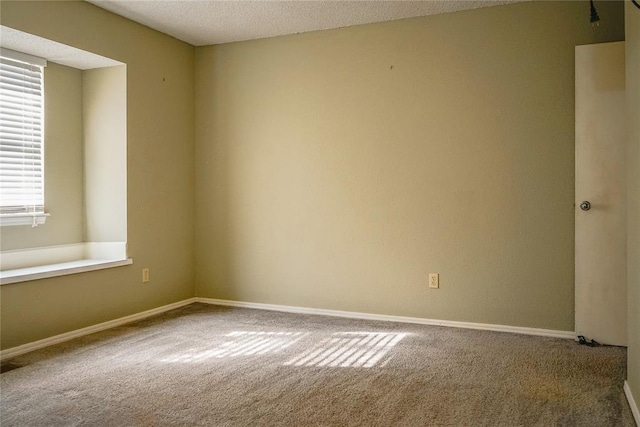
22	265
61	269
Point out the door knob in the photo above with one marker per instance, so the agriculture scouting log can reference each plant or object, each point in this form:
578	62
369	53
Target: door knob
585	206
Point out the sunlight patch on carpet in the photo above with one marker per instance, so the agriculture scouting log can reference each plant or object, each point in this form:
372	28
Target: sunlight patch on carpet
349	349
241	343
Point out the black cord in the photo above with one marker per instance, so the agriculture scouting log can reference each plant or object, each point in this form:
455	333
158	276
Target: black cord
583	341
594	18
636	3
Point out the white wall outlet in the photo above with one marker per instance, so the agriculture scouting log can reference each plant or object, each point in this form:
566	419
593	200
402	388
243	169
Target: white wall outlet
145	275
434	280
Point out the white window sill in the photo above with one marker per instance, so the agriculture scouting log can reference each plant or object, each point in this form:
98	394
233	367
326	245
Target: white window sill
61	269
22	265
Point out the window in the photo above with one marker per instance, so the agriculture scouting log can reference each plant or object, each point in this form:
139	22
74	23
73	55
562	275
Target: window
21	139
82	120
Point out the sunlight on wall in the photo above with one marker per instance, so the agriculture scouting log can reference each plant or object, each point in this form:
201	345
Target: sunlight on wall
242	344
350	349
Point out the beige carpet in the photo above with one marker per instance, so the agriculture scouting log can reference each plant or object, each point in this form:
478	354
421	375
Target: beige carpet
204	365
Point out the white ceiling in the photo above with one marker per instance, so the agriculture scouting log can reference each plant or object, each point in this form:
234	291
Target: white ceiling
205	22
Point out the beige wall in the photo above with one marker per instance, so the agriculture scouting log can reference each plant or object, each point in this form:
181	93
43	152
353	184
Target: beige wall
63	165
336	169
160	177
632	28
105	158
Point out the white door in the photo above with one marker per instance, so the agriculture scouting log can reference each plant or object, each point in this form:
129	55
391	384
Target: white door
601	245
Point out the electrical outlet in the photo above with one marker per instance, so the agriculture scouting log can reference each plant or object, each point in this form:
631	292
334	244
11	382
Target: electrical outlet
145	275
434	280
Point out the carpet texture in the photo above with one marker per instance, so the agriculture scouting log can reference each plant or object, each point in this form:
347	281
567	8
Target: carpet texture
204	365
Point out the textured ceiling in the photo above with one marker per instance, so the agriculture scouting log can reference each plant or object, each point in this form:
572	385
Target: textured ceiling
204	22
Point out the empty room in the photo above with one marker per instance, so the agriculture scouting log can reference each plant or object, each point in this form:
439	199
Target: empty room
319	213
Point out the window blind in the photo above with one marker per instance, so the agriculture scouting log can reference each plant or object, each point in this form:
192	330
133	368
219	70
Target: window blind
21	137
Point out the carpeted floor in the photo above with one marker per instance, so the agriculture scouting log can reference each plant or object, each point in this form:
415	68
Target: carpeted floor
203	365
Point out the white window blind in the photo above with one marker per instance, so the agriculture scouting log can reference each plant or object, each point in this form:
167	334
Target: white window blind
21	138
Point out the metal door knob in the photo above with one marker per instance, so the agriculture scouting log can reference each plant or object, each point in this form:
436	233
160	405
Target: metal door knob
585	206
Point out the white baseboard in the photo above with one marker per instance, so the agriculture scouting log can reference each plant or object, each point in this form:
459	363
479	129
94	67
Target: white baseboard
387	318
22	349
632	403
16	351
